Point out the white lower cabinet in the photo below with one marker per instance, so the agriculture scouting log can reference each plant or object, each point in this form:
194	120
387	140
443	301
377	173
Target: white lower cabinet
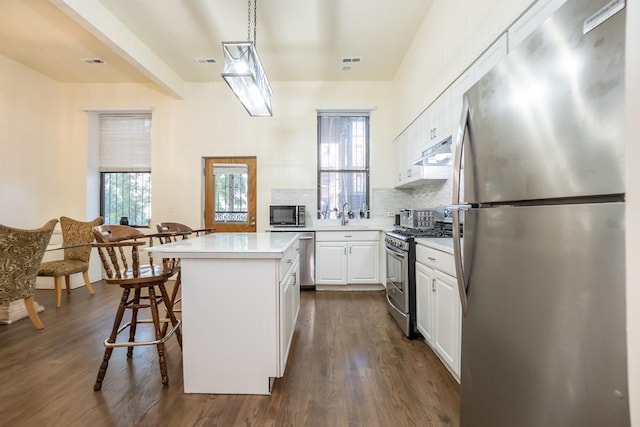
347	257
331	263
438	308
363	264
447	311
289	307
425	289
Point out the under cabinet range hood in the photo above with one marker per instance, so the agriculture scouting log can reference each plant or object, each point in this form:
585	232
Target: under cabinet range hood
439	154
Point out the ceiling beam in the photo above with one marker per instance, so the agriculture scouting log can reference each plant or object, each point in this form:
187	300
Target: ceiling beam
104	25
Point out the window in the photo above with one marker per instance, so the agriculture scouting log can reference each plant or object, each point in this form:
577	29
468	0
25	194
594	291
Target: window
343	163
125	168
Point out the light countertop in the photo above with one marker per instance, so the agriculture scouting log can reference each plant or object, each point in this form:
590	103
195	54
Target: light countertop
228	245
348	227
444	244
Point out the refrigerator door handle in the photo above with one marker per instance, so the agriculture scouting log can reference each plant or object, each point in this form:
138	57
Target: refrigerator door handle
457	254
457	207
457	160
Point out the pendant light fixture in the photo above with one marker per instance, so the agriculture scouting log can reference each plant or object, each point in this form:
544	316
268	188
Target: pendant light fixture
244	74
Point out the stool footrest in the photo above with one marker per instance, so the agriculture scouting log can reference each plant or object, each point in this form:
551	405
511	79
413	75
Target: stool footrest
137	343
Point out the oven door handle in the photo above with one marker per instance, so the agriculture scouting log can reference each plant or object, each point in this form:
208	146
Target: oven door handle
399	255
394	251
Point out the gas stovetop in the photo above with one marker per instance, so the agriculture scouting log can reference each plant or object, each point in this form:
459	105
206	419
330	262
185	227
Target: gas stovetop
440	229
411	233
404	238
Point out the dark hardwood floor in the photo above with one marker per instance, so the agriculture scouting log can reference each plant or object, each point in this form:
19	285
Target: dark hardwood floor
349	366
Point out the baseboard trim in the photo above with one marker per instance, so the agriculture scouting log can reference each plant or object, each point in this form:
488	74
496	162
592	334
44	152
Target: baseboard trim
373	287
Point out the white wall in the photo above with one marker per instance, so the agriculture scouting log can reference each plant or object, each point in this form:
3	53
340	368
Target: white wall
211	122
30	156
452	36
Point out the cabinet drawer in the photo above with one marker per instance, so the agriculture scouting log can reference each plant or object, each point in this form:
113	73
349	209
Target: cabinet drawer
346	236
437	259
287	259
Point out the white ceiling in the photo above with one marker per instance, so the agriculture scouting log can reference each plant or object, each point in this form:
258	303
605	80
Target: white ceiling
158	40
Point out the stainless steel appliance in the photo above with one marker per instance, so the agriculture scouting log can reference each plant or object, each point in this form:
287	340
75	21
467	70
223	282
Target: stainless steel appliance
308	260
417	218
541	275
287	215
400	248
306	252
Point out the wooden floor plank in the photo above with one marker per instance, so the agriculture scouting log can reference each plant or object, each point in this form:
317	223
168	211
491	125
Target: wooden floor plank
349	365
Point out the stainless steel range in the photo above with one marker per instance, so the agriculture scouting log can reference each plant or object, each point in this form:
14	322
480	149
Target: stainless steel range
400	247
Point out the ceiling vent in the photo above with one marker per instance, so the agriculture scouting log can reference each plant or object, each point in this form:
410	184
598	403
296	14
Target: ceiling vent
92	61
206	60
351	59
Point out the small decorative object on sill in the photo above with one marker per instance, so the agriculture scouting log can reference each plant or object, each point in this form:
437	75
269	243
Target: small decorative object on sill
124	220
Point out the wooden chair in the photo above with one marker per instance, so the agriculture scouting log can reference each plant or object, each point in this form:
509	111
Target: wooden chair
21	253
77	236
118	246
180	231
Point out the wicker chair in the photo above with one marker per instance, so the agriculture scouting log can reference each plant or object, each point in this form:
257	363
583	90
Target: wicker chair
78	236
21	253
118	246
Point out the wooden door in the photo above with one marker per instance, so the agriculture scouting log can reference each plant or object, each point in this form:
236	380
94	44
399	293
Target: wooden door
230	193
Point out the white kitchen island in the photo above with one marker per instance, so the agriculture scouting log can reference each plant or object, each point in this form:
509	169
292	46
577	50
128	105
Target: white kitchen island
240	302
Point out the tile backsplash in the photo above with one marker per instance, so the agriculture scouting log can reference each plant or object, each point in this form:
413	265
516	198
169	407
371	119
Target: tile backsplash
383	200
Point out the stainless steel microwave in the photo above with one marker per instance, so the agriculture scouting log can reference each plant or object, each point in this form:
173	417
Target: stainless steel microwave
286	215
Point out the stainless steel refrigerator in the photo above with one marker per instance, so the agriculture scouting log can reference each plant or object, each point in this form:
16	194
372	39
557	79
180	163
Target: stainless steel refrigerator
542	266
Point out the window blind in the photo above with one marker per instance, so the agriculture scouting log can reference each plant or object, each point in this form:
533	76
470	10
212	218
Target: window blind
125	142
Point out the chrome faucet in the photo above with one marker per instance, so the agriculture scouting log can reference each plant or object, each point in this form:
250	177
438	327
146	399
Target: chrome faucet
345	220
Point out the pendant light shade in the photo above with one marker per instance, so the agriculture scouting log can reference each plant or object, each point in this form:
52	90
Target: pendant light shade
245	76
243	71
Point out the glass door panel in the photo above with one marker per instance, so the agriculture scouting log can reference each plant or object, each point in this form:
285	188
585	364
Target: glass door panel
230	194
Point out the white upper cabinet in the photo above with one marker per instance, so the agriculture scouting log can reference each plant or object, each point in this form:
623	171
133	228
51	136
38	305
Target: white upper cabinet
531	20
479	68
429	128
439	124
399	149
458	89
415	135
442	118
405	148
490	57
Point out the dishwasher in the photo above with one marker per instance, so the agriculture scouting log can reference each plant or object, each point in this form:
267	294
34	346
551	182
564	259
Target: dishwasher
307	261
307	258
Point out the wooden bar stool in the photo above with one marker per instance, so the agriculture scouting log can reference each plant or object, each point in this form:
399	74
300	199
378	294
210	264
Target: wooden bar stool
180	231
118	247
